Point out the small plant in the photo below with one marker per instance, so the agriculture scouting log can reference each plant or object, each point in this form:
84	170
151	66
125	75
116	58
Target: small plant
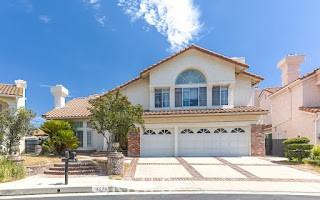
297	148
315	152
10	170
61	137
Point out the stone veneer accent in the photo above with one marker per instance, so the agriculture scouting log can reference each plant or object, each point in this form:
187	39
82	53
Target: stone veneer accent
134	144
257	140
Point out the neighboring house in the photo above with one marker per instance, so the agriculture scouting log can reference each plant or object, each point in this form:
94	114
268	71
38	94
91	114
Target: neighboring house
13	97
263	101
295	106
196	102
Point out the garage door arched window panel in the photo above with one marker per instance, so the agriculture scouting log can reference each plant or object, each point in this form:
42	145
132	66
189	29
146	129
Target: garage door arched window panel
191	76
187	131
149	132
238	130
203	130
164	132
220	130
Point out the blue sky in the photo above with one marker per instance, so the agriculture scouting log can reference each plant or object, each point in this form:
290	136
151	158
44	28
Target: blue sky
91	46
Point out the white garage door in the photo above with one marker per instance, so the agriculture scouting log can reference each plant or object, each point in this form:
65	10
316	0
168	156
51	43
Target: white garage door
213	142
157	142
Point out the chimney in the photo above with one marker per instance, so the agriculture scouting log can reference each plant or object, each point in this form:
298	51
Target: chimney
290	68
59	93
21	100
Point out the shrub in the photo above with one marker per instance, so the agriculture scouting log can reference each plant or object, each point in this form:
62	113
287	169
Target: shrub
297	148
315	153
10	170
299	140
61	137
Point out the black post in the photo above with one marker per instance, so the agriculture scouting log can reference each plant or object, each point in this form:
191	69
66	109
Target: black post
66	167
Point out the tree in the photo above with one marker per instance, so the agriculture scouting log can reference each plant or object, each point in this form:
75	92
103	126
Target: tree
61	136
14	125
113	116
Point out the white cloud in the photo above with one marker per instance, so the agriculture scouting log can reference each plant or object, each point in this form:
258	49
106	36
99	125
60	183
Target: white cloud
101	19
45	19
178	21
96	5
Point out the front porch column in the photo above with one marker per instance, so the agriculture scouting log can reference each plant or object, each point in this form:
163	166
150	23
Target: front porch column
134	143
176	142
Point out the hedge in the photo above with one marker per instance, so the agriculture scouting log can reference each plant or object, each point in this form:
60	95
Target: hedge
299	140
297	148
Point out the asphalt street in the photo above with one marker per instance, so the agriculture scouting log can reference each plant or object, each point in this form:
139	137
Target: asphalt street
178	197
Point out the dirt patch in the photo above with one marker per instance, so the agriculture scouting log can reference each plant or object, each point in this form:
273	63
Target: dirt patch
33	160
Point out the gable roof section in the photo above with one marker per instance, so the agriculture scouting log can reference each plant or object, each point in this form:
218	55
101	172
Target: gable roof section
10	89
74	109
298	79
193	46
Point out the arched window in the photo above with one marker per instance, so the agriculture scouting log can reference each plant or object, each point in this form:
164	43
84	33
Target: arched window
184	131
149	132
203	130
194	95
190	76
237	130
165	131
220	130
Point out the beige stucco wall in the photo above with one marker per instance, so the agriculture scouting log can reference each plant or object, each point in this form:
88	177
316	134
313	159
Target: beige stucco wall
311	92
264	102
215	70
243	92
138	92
287	120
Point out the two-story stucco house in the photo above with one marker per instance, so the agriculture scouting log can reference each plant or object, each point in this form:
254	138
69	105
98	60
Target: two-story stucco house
295	106
196	102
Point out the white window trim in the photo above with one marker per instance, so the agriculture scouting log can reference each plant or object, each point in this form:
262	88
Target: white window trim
154	98
191	86
220	106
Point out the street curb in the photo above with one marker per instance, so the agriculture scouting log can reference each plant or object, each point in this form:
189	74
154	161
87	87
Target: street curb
62	190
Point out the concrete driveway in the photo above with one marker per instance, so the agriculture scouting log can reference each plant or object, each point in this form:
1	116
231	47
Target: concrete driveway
215	169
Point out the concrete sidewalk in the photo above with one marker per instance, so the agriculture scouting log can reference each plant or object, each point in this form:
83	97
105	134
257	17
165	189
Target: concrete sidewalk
41	184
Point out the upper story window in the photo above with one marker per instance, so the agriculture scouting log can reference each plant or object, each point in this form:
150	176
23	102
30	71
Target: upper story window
220	95
190	96
162	98
186	97
191	76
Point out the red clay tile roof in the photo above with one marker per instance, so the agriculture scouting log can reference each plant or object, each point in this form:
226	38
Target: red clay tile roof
193	46
74	109
10	89
315	109
252	75
241	109
78	108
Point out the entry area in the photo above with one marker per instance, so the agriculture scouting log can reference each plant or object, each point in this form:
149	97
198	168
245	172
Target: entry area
196	141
